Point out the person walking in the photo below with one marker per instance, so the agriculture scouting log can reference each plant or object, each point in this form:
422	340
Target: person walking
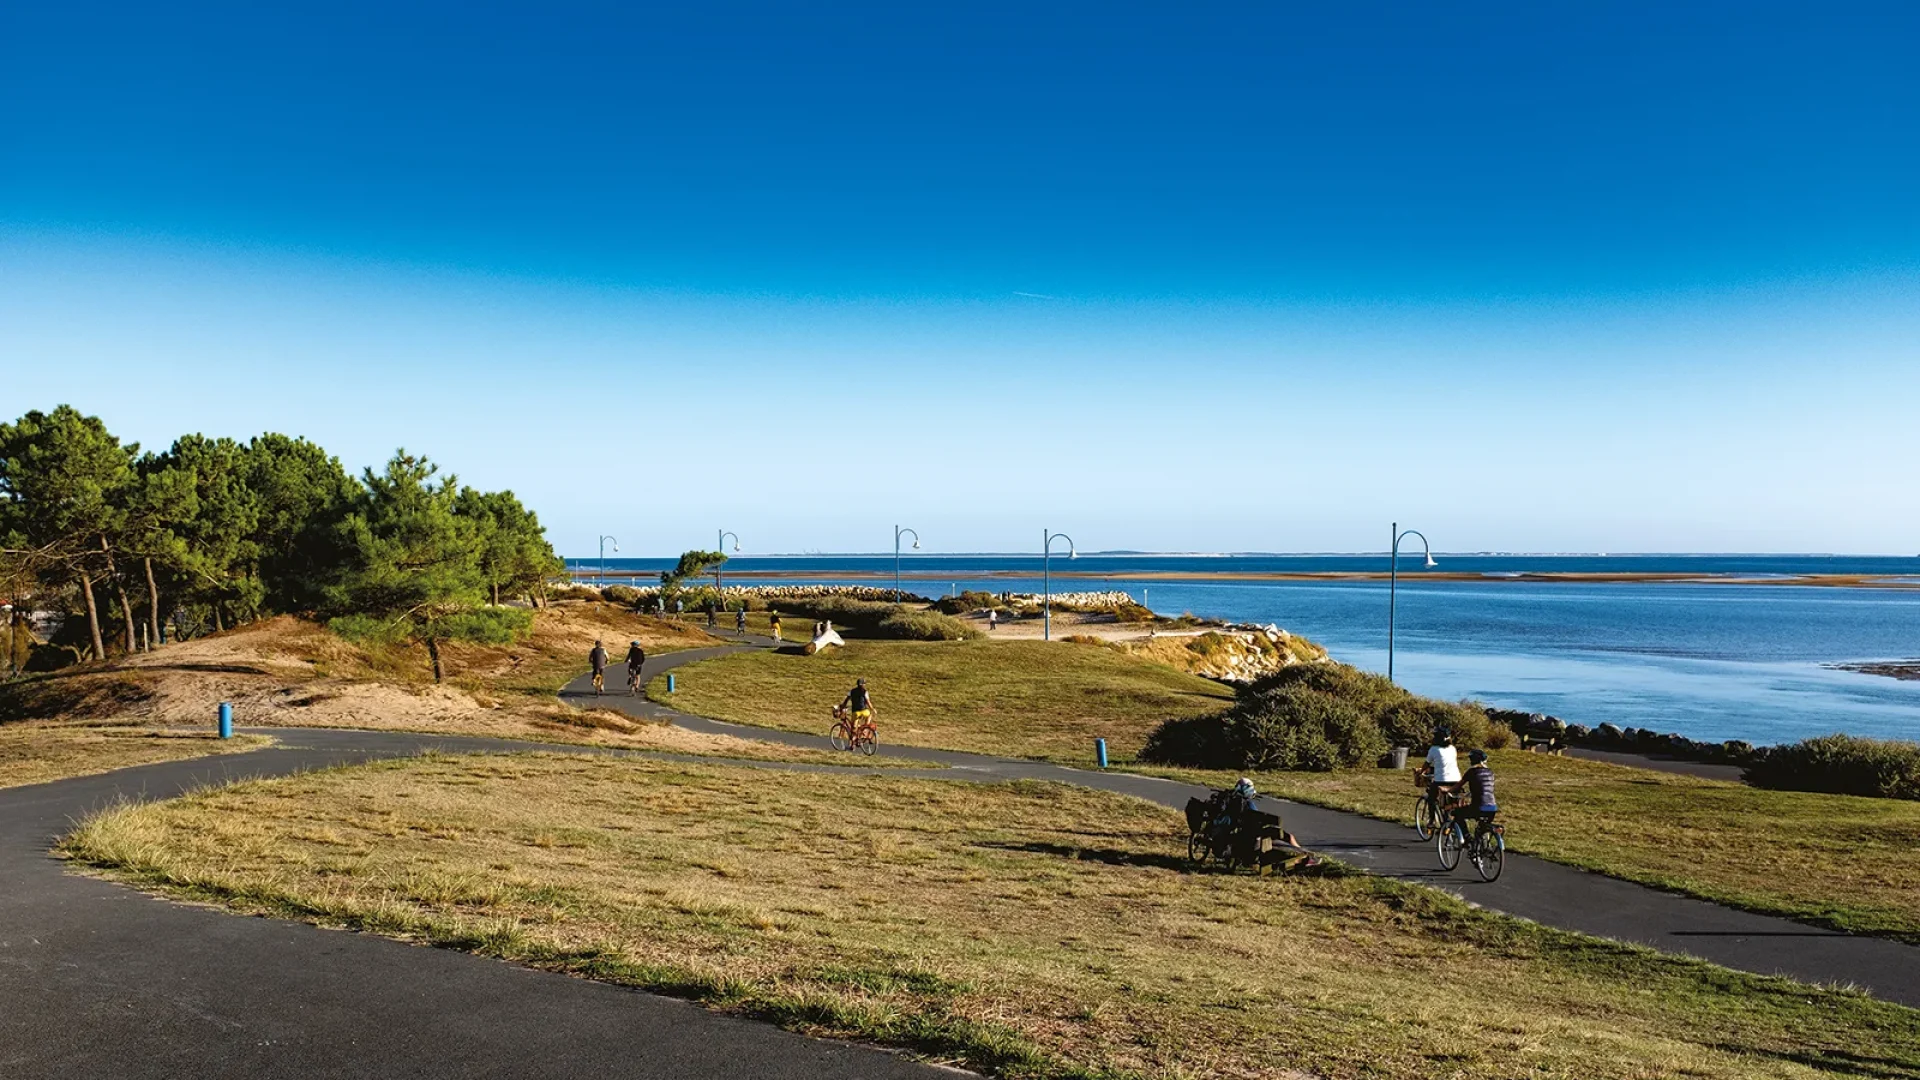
993	619
598	658
740	620
773	620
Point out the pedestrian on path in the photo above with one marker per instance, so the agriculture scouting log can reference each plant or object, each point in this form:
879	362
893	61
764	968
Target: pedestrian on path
740	620
773	620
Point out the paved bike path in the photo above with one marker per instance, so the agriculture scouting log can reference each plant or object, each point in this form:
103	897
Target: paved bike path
99	980
1546	892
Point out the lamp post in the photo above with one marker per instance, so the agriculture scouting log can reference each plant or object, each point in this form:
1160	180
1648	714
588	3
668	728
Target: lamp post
720	545
1046	577
897	533
1393	582
603	557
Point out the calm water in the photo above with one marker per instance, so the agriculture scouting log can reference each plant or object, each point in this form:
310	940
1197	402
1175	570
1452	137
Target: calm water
1709	661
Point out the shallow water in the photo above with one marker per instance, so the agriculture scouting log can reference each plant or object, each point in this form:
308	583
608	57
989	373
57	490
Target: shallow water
1710	661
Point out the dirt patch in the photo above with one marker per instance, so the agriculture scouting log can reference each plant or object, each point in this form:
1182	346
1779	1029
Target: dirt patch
293	672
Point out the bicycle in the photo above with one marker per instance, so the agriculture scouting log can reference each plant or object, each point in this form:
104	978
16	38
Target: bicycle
599	683
633	681
1486	847
853	732
1430	809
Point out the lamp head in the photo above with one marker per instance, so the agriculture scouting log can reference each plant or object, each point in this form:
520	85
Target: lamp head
1430	563
916	545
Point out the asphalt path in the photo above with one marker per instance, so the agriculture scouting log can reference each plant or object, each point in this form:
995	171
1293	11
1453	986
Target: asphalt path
101	980
1536	889
98	980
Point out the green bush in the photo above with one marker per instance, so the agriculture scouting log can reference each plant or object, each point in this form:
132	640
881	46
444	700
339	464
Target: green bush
622	594
1840	765
1315	717
882	620
971	600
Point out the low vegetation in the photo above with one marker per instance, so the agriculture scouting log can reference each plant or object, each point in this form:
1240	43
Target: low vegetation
293	672
39	752
1023	930
1016	698
1317	716
1840	764
1836	861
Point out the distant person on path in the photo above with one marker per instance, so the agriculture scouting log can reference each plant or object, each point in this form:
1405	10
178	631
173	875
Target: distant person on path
713	615
636	659
993	619
598	658
679	608
773	620
740	621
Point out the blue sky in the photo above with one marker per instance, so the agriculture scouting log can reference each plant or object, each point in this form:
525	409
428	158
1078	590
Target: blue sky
1624	278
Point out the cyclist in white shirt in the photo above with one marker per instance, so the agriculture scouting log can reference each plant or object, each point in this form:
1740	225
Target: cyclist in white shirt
1443	762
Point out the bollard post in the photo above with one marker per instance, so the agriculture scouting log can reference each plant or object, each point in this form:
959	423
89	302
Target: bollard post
226	720
1100	752
670	686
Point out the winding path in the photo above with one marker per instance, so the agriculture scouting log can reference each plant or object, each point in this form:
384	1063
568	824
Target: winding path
102	980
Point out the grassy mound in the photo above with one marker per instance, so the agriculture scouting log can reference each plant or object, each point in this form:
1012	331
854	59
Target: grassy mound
1024	930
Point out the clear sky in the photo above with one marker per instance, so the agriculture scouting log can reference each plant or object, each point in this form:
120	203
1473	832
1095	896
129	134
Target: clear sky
1253	277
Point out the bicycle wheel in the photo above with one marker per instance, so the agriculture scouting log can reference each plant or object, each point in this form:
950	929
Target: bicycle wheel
866	740
1448	844
1423	818
1197	849
840	736
1490	855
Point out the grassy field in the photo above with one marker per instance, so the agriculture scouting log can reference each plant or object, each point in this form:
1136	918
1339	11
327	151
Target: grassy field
1014	698
34	753
1026	930
1832	860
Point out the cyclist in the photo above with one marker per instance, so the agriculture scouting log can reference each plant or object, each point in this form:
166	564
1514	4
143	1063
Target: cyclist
636	659
858	703
598	658
1443	767
1480	806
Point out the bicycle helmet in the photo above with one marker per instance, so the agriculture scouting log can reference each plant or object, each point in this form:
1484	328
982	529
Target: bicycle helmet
1477	757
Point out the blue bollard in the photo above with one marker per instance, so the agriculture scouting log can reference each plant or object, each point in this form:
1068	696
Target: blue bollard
670	686
1100	752
226	720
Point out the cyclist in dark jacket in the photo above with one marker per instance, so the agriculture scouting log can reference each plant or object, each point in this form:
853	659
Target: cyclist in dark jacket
1478	782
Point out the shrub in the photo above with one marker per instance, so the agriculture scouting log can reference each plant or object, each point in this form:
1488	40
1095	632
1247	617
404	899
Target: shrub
573	592
1291	727
881	620
971	600
1404	719
622	594
1840	765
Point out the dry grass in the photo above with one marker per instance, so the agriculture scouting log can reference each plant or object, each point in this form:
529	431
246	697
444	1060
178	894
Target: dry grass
34	753
1015	698
1027	930
1832	860
289	672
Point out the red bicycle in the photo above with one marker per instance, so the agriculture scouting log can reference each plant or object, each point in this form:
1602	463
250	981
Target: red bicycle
854	731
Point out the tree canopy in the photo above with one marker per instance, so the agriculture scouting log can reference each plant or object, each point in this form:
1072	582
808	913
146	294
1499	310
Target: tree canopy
213	532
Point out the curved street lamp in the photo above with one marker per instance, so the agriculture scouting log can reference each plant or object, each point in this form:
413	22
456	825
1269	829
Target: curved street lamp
1393	582
1046	576
720	545
603	557
897	533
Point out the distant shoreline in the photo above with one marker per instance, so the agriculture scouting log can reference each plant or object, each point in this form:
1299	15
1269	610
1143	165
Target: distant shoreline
1831	581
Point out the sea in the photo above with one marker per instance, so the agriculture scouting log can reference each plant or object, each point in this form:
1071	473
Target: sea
1708	659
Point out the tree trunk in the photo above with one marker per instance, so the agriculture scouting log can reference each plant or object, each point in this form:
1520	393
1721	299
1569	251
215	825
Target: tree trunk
126	610
496	595
93	617
153	608
217	627
433	652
